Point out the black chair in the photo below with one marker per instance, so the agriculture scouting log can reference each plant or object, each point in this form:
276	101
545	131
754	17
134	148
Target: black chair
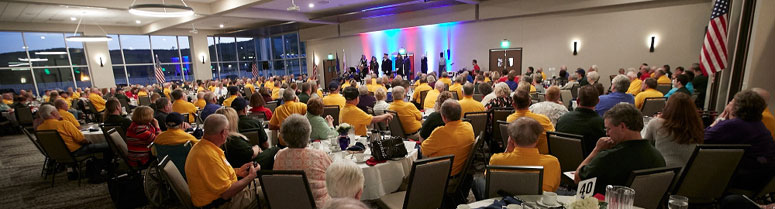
515	180
271	105
427	185
282	189
503	128
333	111
653	105
664	88
55	147
708	171
497	114
567	97
24	116
254	136
43	171
177	181
177	153
652	185
106	128
567	148
478	97
457	183
395	126
478	120
423	94
144	101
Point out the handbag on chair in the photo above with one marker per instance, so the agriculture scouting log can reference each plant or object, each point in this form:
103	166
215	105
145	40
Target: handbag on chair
388	148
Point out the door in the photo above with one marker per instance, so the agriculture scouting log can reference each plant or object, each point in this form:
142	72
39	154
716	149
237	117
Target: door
329	72
505	60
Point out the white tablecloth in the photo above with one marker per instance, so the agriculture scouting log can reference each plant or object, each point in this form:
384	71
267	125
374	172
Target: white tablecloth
530	199
383	178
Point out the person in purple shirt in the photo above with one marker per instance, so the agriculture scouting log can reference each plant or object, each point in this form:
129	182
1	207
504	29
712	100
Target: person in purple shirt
211	107
366	101
619	86
741	123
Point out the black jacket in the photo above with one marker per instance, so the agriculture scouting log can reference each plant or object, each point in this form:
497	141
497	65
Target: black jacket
387	66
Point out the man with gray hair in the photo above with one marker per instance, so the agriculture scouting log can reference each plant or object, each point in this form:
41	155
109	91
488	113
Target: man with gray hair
349	203
430	98
622	152
454	138
410	116
344	179
212	181
619	86
212	105
72	137
290	106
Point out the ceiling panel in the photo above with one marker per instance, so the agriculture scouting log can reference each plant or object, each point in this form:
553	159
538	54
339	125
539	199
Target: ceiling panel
320	5
213	23
12	11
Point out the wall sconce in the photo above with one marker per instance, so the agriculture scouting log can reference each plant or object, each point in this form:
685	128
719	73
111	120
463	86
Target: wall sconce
203	59
575	48
330	56
505	43
651	46
101	64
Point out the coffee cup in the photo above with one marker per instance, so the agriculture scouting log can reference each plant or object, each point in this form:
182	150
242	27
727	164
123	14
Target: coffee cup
549	198
359	157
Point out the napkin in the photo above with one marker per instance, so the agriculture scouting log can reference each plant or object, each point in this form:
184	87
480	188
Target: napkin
372	162
507	200
359	147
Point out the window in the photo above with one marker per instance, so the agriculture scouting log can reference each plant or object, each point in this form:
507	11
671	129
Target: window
136	48
275	55
141	52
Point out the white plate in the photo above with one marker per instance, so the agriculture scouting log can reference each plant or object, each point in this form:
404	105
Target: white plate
540	202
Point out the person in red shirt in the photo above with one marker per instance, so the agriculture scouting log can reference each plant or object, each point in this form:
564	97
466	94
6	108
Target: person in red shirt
257	103
476	68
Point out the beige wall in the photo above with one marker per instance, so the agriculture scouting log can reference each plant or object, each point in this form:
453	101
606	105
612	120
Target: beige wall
611	36
760	61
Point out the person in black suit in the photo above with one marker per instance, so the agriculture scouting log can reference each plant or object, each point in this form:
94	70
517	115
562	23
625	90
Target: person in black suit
387	65
407	67
399	64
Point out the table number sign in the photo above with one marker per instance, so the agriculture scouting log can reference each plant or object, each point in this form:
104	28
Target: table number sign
586	188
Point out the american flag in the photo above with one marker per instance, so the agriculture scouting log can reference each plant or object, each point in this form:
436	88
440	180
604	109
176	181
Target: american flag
713	56
158	71
255	70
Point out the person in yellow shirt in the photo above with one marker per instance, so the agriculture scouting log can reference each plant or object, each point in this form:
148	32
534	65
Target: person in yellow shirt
430	98
175	133
72	137
354	116
662	77
521	151
233	94
457	87
420	88
182	106
522	102
316	87
200	102
211	179
8	98
649	92
455	137
445	79
96	99
636	85
333	97
541	71
249	86
410	116
371	86
290	106
269	85
276	91
767	118
142	92
167	90
467	103
61	106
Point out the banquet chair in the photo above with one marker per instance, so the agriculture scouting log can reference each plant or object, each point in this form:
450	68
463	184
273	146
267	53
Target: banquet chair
708	171
46	160
332	110
248	93
478	121
653	105
144	101
171	174
497	114
503	126
541	97
24	116
515	180
253	136
664	88
177	153
396	129
459	185
567	98
271	105
651	185
56	150
478	97
423	94
574	90
105	129
454	96
567	148
261	116
427	184
286	189
96	116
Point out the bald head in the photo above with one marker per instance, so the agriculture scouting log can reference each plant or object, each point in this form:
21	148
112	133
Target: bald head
762	93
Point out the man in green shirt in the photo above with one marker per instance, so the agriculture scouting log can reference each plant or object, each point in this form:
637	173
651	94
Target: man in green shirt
624	151
584	120
305	92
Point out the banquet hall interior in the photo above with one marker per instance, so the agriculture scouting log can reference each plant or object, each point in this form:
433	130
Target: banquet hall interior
413	104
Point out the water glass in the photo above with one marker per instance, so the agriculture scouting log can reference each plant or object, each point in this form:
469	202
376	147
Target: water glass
619	197
678	202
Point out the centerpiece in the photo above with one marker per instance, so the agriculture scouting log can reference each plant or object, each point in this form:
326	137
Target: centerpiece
344	139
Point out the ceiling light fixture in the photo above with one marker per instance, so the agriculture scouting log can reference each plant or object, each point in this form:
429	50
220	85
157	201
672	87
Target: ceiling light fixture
293	7
73	19
193	29
311	5
138	21
161	10
221	25
33	59
83	38
50	53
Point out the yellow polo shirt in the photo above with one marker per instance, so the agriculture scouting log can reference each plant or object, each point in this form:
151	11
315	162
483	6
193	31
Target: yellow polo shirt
663	80
208	173
457	89
167	92
76	95
8	101
283	111
641	97
174	137
142	94
422	87
335	99
200	103
430	99
531	157
371	87
68	101
635	87
72	137
200	89
455	138
446	81
411	117
275	94
67	116
227	101
269	85
97	101
354	116
251	87
542	146
543	75
468	104
769	121
487	79
183	107
320	93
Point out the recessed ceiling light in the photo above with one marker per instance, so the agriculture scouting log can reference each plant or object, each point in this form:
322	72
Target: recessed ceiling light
42	37
221	26
311	5
138	21
73	19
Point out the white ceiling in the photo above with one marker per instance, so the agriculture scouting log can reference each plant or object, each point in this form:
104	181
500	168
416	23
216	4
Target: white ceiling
45	13
320	5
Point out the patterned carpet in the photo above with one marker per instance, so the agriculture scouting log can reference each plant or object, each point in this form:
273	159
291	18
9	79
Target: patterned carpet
22	186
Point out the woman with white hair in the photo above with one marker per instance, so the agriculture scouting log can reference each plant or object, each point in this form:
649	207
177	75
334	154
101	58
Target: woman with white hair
593	78
381	105
366	101
295	131
344	179
502	97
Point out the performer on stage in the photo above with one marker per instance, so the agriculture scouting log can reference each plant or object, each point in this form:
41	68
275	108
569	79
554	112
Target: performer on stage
399	64
387	65
374	65
442	64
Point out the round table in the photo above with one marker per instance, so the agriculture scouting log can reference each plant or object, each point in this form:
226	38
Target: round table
530	199
380	179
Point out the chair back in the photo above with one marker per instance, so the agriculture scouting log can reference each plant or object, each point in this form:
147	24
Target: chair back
496	115
125	104
120	130
284	189
567	148
177	181
144	101
653	105
428	182
466	172
177	153
652	185
258	115
515	180
271	105
51	142
708	171
567	98
253	135
454	96
118	145
767	189
664	88
574	90
248	93
395	126
333	111
24	116
423	94
478	97
478	120
503	128
541	97
33	140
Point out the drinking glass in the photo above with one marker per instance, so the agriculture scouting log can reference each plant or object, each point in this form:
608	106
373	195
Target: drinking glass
619	197
678	202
